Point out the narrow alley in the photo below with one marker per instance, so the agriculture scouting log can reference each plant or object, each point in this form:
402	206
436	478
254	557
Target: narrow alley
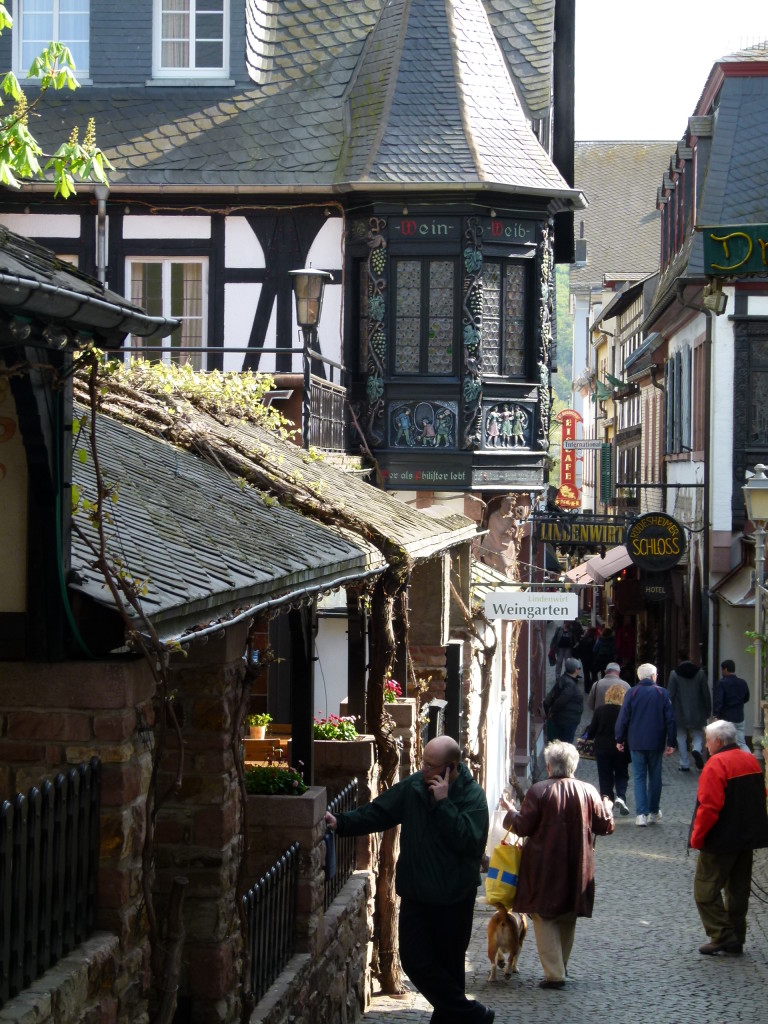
636	960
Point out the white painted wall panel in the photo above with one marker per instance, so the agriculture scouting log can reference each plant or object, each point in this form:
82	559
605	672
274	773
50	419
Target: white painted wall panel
721	435
240	301
40	225
242	247
139	227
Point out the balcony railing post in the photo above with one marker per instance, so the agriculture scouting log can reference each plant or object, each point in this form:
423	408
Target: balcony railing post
306	398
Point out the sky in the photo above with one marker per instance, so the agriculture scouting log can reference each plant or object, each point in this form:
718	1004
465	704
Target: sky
641	65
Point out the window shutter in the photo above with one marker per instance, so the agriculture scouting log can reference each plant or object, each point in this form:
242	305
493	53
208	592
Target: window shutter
606	475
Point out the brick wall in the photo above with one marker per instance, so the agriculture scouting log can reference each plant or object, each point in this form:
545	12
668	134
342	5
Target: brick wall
56	716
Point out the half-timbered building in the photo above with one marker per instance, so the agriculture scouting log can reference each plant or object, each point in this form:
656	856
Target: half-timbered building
402	146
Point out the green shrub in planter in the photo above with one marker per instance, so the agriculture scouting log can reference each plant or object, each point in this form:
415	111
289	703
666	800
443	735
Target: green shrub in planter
335	727
274	778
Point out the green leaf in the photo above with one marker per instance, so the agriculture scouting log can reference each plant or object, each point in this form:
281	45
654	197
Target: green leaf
82	455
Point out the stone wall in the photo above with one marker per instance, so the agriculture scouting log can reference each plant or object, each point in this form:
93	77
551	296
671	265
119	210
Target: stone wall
336	985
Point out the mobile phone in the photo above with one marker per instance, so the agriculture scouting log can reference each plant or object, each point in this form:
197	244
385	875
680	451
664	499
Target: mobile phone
446	771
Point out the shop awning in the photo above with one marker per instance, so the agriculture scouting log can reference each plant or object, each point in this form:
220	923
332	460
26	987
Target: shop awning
597	569
737	588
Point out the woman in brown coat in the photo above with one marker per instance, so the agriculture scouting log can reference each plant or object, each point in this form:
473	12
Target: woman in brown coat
560	818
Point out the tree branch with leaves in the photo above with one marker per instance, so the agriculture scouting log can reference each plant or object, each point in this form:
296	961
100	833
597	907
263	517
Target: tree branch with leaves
20	152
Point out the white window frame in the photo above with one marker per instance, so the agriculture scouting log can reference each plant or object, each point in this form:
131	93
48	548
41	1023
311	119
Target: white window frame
81	73
191	72
133	341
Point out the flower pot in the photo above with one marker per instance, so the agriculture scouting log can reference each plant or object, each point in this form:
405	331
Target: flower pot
257	732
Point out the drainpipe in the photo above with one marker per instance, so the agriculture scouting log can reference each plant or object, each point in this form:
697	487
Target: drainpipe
101	192
701	308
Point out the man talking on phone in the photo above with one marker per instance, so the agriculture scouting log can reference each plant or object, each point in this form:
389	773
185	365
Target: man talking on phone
444	817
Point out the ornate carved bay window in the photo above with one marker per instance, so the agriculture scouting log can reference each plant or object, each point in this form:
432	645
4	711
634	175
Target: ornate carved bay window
453	348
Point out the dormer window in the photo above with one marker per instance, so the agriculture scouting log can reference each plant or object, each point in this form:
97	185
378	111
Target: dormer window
39	22
191	38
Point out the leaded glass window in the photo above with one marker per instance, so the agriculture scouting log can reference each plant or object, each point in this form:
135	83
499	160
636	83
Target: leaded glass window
491	329
503	324
441	313
425	316
173	288
514	320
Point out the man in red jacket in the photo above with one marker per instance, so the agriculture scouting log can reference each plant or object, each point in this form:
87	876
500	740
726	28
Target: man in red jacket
730	821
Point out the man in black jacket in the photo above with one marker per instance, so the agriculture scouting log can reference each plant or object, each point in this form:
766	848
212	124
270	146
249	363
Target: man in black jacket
444	817
729	822
564	704
731	696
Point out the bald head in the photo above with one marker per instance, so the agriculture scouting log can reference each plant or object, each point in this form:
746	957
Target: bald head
442	750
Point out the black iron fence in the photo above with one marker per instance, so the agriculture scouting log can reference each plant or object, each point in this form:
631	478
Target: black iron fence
344	845
48	865
327	403
270	909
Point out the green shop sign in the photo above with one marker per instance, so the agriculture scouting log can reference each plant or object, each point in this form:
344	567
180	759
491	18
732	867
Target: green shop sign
736	250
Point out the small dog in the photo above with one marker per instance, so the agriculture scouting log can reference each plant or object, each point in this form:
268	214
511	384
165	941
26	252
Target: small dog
506	932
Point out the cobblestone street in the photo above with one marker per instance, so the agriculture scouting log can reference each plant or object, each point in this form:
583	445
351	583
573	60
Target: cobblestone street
636	960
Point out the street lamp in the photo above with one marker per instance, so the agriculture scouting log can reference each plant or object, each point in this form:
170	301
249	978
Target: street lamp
308	288
755	492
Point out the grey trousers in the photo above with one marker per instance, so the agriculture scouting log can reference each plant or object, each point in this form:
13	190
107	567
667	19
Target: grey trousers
554	941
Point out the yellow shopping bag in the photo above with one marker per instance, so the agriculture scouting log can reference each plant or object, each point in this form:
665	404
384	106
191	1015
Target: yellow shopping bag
501	881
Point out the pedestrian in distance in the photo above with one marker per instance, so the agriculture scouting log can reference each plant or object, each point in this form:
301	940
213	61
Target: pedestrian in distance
646	725
612	763
564	641
688	690
560	817
444	817
605	650
729	822
731	696
612	677
564	704
584	651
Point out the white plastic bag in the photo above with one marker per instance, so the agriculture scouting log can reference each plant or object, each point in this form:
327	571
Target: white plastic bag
496	830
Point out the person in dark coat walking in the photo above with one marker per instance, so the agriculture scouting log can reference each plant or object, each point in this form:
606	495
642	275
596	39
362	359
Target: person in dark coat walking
646	724
564	641
729	822
556	883
605	651
564	704
612	763
584	651
731	696
688	690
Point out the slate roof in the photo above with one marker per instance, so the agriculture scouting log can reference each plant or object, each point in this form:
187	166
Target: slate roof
35	283
621	226
207	547
454	118
344	93
734	182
